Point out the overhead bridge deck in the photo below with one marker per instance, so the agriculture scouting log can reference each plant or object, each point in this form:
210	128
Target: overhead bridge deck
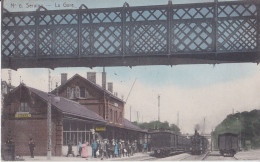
201	33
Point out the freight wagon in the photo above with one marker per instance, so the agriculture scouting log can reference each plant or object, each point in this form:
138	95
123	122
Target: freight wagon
228	144
165	142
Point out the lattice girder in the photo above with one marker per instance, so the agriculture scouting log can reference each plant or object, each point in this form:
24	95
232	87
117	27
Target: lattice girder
130	31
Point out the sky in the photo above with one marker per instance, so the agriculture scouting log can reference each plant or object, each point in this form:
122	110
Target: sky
195	91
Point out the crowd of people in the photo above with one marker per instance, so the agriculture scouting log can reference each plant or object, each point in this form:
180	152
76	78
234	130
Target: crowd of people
111	149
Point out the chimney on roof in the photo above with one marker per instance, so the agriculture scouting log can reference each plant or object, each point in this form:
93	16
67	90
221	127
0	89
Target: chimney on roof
91	76
110	87
63	78
104	79
115	93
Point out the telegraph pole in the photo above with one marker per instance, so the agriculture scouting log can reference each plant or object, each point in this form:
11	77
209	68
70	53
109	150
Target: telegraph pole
49	119
158	107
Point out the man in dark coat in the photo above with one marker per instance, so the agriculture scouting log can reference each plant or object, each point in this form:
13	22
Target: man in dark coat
70	148
31	147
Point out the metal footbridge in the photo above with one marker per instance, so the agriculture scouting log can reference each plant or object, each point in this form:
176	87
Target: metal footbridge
171	34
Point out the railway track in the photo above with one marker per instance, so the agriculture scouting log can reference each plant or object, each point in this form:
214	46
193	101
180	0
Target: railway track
181	157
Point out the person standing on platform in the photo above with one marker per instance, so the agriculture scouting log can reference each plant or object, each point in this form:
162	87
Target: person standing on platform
94	149
128	148
84	150
132	148
79	147
123	148
145	147
120	148
109	148
116	149
70	148
103	149
113	145
31	147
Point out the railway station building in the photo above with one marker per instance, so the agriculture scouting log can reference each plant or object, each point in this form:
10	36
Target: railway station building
78	106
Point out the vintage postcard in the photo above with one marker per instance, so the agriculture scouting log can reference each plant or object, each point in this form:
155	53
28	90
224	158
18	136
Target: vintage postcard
130	80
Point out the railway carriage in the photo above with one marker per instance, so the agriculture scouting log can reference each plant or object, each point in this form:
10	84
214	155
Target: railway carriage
228	144
165	142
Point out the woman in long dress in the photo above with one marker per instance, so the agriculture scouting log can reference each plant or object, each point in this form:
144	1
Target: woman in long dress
84	150
116	149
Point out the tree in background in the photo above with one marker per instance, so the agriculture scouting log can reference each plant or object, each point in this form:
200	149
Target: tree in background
245	124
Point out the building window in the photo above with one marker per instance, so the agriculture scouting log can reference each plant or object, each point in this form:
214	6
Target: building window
120	117
72	93
76	132
77	92
115	117
111	115
68	92
83	92
24	107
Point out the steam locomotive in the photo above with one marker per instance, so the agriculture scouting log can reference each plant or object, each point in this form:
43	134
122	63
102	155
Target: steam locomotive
199	144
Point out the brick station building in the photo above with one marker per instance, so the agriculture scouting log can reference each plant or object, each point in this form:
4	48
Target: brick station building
103	102
81	105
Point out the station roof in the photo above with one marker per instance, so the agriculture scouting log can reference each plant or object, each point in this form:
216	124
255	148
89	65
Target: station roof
67	107
131	126
70	107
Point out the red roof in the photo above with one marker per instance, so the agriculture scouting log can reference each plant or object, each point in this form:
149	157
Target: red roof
67	106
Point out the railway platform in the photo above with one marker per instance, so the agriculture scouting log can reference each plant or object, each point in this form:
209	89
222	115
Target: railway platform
63	158
248	155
